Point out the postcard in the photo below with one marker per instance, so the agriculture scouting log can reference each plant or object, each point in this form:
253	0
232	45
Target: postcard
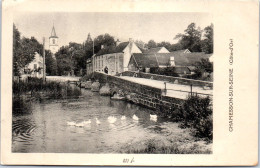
129	83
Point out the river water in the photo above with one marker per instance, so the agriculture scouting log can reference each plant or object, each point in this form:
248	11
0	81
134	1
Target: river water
89	123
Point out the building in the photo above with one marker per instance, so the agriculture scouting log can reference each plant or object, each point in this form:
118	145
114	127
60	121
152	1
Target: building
34	68
115	59
53	41
183	63
156	50
89	66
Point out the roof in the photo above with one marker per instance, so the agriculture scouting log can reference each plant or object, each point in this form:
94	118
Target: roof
53	33
153	50
118	49
163	59
144	60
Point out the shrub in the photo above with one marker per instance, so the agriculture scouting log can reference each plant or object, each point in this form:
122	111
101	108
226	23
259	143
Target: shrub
197	115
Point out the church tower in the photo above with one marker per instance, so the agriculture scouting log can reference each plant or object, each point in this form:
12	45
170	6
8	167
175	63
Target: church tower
53	41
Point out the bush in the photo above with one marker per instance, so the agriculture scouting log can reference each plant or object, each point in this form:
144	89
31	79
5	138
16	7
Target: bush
168	71
197	115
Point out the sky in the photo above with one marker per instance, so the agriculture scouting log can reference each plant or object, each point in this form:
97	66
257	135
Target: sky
74	27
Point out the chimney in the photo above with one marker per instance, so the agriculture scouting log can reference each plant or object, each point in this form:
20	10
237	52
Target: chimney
131	40
117	42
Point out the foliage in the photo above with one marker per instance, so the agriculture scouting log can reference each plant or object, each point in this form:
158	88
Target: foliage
197	114
203	66
169	71
207	43
151	44
152	146
23	50
51	63
105	40
191	39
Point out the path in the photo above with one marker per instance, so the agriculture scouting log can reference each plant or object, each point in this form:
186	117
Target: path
173	90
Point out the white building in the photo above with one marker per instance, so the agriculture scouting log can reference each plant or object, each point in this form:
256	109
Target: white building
34	68
116	61
53	42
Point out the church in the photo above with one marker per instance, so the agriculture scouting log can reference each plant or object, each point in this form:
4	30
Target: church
53	41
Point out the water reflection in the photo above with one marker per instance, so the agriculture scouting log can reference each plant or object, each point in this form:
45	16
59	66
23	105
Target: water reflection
83	122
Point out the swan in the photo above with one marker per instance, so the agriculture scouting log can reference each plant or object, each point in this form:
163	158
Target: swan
123	118
80	124
71	123
86	122
97	121
135	117
112	119
153	117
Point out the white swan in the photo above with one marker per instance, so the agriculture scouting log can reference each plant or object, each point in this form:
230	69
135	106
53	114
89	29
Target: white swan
123	118
87	122
81	124
111	119
153	117
135	117
71	123
97	121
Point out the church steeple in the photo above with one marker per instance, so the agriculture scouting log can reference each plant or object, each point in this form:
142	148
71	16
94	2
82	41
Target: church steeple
53	32
53	41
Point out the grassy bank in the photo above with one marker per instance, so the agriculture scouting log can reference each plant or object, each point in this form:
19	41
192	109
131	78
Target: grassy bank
26	92
37	88
196	114
170	141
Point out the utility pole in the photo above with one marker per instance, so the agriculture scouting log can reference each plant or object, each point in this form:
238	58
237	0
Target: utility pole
44	67
93	47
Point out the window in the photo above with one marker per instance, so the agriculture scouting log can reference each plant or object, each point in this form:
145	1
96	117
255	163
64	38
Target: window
53	41
35	66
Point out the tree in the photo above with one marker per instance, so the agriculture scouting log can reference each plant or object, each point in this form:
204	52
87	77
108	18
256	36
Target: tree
207	43
16	50
151	44
191	39
51	64
175	47
105	40
165	44
23	50
64	61
203	66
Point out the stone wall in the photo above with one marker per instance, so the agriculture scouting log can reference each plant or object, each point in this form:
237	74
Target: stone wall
140	94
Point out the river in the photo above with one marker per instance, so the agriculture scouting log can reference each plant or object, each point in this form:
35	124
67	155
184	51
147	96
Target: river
88	123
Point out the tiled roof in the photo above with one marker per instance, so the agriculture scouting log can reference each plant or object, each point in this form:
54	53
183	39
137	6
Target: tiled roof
163	59
153	50
144	60
118	49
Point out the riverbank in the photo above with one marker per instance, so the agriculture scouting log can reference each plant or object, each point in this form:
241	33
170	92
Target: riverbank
170	141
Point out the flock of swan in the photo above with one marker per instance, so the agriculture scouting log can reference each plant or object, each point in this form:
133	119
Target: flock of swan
110	119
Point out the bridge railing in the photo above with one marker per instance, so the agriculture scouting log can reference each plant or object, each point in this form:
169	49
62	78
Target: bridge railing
169	79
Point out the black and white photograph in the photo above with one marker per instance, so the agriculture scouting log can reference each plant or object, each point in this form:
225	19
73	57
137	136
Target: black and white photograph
135	83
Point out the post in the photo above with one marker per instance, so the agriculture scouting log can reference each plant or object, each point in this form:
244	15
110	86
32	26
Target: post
44	67
191	89
93	47
165	88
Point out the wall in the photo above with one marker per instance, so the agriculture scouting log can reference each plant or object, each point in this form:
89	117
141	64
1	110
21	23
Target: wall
130	48
170	79
140	94
114	63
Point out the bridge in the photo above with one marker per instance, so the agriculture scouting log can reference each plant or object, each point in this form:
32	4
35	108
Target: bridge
155	91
